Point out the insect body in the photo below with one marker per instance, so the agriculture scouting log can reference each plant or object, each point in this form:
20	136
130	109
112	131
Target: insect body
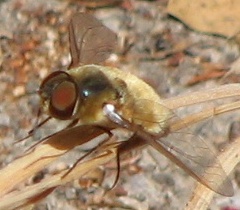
110	98
82	92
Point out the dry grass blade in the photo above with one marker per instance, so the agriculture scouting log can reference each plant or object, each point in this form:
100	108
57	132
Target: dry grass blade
202	196
224	91
230	157
16	199
205	114
26	166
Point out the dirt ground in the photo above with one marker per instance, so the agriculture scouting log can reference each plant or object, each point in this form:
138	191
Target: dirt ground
152	45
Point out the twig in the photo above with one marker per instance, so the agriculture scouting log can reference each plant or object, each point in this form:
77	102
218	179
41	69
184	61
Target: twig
19	198
26	166
224	91
202	196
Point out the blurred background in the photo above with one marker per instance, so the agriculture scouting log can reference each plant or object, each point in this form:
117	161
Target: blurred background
161	42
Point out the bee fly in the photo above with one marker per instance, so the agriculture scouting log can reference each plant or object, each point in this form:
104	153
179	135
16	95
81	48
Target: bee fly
106	97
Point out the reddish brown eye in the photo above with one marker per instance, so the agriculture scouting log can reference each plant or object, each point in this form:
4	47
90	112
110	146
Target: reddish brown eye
64	96
59	95
63	100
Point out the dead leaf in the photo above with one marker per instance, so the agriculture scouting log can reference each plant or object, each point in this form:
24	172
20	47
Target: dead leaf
210	71
98	3
218	17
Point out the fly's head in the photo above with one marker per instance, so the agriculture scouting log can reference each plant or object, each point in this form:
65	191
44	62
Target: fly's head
81	94
59	95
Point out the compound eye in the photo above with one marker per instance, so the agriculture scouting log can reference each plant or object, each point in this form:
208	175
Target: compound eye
58	93
63	100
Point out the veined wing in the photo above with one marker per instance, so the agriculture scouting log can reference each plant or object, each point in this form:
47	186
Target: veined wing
90	41
190	152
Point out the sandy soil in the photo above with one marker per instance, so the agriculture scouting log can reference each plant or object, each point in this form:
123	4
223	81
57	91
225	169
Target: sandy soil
164	52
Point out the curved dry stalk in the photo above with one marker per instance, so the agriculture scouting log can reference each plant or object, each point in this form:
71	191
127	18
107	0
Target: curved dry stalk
202	196
18	198
224	91
230	157
29	164
26	166
204	114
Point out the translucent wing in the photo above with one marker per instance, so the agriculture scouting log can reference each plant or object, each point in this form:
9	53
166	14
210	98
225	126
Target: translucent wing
190	152
198	158
90	41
